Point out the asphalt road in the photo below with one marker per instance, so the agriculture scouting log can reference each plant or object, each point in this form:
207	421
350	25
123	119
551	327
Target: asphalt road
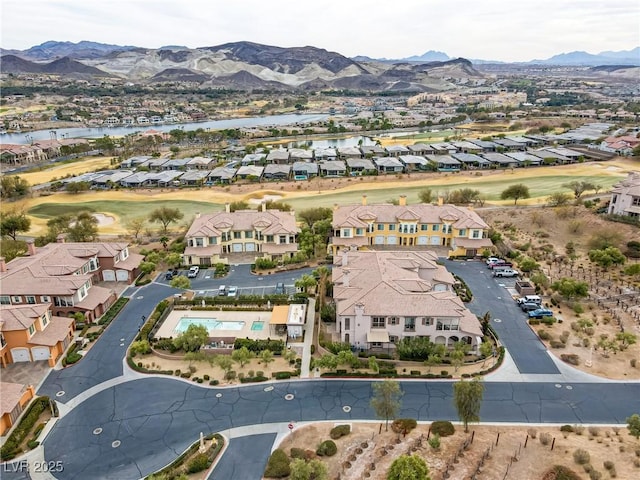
510	323
155	419
245	458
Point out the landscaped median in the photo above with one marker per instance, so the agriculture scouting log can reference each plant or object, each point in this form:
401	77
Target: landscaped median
197	458
25	435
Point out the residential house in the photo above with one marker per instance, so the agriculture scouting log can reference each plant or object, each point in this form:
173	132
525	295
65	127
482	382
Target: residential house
304	170
550	157
32	333
254	159
66	274
471	160
444	163
509	144
300	155
108	180
194	178
383	297
136	180
175	164
133	162
371	151
349	152
250	172
625	197
388	165
166	178
443	148
213	238
524	159
332	168
421	225
13	400
500	160
466	147
279	156
222	175
360	166
486	146
413	163
276	172
201	163
325	153
421	149
397	150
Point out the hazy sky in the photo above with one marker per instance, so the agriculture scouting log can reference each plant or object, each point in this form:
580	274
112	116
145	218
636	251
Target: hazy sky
505	30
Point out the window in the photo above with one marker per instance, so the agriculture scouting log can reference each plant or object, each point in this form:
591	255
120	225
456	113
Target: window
199	242
44	319
213	240
125	253
392	227
63	301
376	344
269	238
409	324
636	201
282	239
237	235
463	232
32	329
359	231
424	228
248	234
347	324
45	298
393	321
427	321
436	228
116	259
16	299
380	226
346	232
377	322
31	299
393	338
94	264
4	300
475	233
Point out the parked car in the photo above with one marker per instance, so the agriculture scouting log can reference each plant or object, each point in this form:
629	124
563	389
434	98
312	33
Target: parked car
491	260
168	276
193	272
540	312
505	272
280	288
233	291
222	291
530	299
529	306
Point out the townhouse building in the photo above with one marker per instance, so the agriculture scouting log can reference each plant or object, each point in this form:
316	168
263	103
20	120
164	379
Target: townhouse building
625	197
66	276
214	238
383	297
420	225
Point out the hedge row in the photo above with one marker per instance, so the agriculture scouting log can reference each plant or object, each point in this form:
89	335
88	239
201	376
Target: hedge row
72	356
11	447
344	373
239	300
139	368
170	472
491	368
152	320
276	346
113	311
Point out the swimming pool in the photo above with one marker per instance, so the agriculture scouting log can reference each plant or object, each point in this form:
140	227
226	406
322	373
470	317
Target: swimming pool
208	323
257	326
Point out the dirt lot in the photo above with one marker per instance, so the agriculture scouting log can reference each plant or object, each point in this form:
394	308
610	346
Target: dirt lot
505	453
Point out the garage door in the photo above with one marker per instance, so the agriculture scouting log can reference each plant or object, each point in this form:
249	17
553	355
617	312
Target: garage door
435	240
249	247
20	355
379	240
423	240
392	240
237	247
109	275
40	353
122	275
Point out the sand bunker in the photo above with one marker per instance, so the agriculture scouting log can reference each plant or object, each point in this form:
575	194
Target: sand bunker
104	220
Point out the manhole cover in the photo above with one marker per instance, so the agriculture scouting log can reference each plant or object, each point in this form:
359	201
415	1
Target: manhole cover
139	297
218	395
269	388
122	344
60	393
569	387
115	444
289	396
497	320
346	409
97	431
558	385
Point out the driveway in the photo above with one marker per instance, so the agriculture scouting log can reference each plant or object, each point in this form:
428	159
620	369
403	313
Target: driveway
491	295
26	373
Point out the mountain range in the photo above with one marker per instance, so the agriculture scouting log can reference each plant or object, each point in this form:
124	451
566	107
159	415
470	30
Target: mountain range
247	65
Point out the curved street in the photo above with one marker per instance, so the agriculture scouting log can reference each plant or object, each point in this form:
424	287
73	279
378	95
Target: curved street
118	424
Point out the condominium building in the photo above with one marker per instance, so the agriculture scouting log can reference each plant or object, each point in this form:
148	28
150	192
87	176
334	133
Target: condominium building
212	238
382	297
412	226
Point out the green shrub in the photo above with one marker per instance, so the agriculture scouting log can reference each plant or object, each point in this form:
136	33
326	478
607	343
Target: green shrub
571	358
32	444
403	425
443	428
560	472
298	453
581	457
213	382
327	448
609	465
282	375
434	442
566	428
11	446
278	465
340	431
198	463
544	335
545	438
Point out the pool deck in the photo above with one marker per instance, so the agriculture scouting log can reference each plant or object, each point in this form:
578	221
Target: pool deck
168	328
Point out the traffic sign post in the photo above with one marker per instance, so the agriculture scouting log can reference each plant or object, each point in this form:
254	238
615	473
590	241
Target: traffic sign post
290	427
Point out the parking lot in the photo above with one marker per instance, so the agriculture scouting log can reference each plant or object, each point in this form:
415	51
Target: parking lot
205	284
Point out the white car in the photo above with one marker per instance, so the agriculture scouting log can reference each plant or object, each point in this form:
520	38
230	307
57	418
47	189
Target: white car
491	260
232	292
506	272
193	272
